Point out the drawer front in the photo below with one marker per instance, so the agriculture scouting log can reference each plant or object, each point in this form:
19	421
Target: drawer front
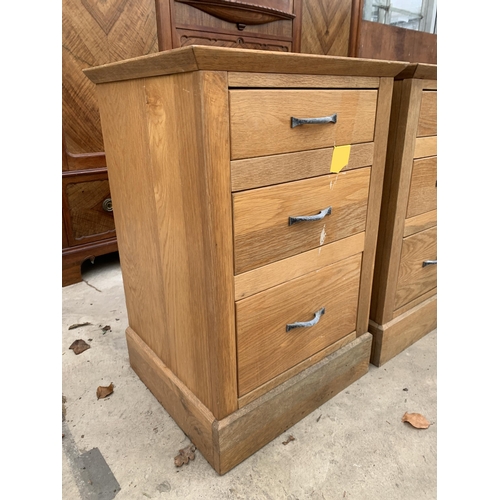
414	279
423	187
90	208
262	230
261	120
425	146
277	169
225	20
266	348
236	41
427	120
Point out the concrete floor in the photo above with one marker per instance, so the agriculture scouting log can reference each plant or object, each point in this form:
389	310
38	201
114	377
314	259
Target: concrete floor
354	446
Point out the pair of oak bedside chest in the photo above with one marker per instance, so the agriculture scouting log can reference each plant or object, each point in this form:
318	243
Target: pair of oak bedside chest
248	190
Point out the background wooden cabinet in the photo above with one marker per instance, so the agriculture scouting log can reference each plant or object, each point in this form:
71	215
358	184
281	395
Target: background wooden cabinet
326	27
375	40
93	33
404	296
250	24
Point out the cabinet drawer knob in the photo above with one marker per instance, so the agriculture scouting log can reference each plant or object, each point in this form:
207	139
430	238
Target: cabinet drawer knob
301	218
309	121
429	263
107	205
306	324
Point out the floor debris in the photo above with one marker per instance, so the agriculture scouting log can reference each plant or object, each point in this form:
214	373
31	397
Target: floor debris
416	420
103	392
289	440
79	346
185	455
63	409
78	325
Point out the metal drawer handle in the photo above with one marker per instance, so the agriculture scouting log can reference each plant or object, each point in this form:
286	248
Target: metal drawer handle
301	218
307	121
429	263
306	324
107	205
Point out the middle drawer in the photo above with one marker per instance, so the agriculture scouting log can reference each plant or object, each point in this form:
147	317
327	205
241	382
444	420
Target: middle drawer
264	232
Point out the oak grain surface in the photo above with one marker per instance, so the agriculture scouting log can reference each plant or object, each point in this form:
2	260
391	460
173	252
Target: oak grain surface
405	111
395	336
294	370
266	349
131	182
212	277
262	233
415	302
261	120
374	202
186	233
425	146
277	169
199	57
427	122
420	222
423	187
279	80
413	279
265	277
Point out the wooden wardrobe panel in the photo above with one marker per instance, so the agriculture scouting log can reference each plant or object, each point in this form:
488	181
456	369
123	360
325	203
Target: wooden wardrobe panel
380	41
326	27
95	33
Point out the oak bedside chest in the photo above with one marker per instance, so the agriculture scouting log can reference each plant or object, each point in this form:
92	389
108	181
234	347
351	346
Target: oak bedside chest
404	301
247	260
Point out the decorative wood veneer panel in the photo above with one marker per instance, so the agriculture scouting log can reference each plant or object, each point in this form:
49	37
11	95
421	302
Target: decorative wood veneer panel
95	33
326	27
187	38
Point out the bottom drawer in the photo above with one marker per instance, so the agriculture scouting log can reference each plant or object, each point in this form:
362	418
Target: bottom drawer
414	277
267	346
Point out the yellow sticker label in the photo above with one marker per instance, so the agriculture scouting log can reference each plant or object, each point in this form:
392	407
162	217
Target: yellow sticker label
340	158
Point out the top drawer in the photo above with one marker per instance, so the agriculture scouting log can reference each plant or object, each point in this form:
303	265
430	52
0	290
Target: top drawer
427	120
261	120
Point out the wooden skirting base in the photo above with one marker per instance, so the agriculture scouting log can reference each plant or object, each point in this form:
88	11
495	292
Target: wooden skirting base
226	443
396	335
